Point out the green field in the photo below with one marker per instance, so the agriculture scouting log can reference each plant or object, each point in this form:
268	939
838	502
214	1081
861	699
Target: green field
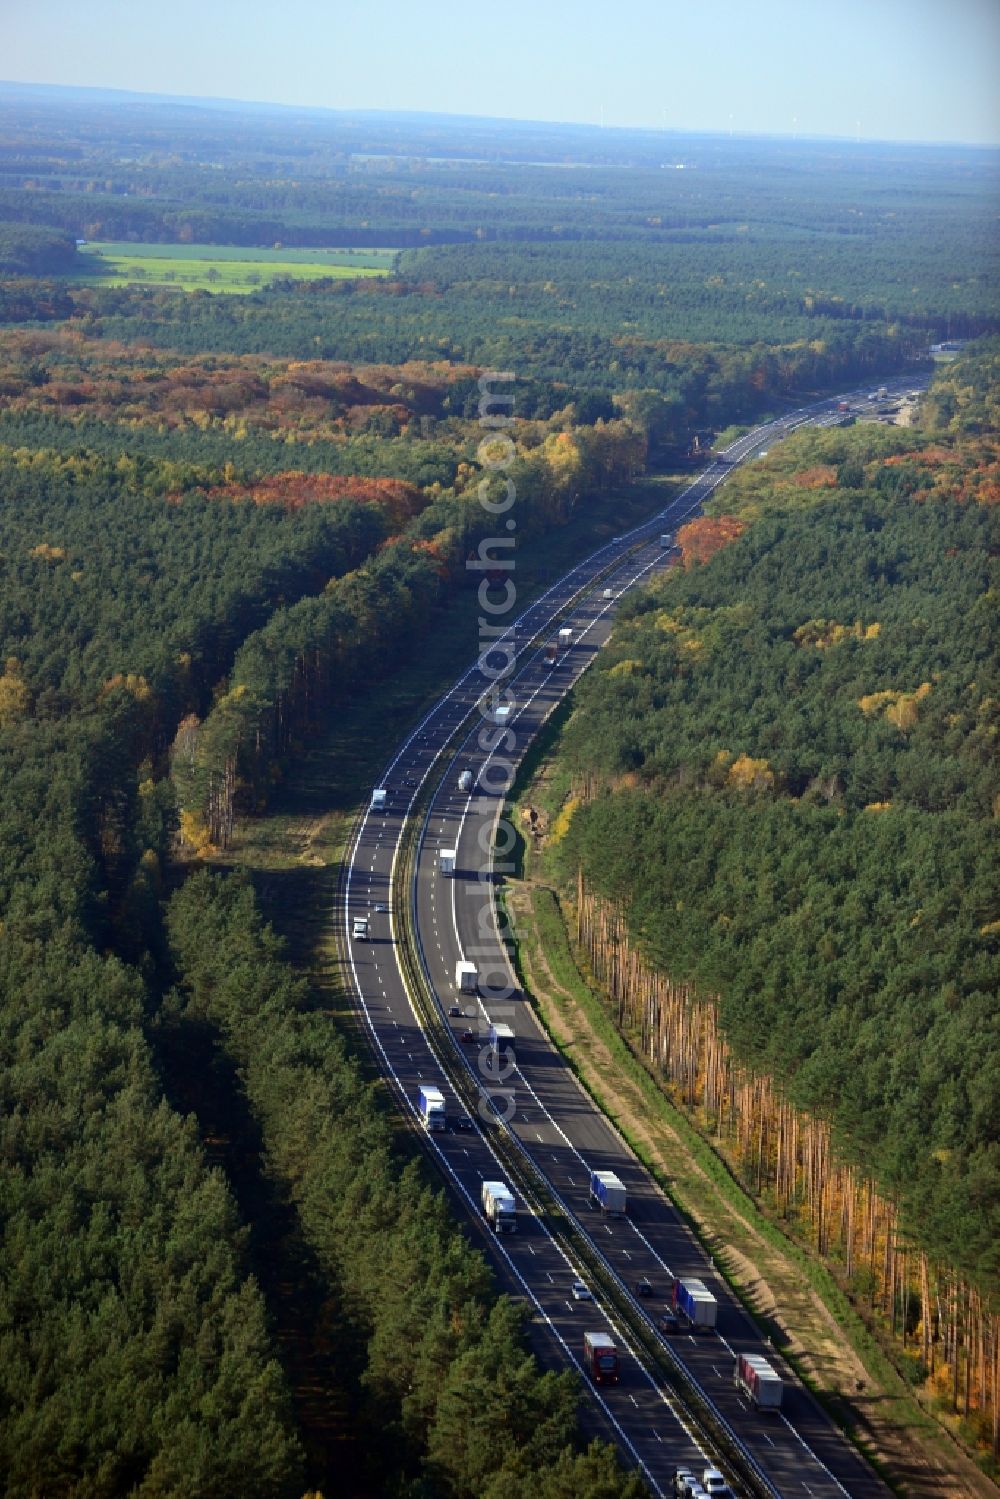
228	268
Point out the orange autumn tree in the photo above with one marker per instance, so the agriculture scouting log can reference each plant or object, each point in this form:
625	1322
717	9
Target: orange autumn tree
294	490
700	539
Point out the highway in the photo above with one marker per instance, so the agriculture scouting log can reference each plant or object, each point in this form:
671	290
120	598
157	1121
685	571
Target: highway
530	1095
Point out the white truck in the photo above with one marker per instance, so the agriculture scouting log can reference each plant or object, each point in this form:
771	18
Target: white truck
379	796
501	1039
359	928
754	1378
667	539
608	1192
466	977
430	1101
565	637
446	860
502	714
499	1207
465	781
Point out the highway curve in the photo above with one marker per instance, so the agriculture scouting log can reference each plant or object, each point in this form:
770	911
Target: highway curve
555	1131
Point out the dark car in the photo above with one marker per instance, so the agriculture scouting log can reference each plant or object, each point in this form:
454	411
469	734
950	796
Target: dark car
643	1287
469	1036
455	1010
463	1122
668	1321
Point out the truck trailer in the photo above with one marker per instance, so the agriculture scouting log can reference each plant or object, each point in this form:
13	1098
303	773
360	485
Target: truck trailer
608	1192
446	860
499	1207
754	1378
601	1357
695	1302
430	1102
501	1039
466	977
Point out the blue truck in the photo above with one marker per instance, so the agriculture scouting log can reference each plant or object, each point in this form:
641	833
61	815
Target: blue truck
695	1302
608	1192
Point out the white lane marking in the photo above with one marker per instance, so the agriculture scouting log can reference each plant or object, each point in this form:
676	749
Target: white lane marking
804	1444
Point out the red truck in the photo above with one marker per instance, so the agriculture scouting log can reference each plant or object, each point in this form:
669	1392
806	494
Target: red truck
601	1357
754	1378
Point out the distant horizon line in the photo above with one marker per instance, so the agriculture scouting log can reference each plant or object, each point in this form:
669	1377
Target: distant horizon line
227	103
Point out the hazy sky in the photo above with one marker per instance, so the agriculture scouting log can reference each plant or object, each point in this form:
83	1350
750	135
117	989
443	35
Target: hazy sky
904	69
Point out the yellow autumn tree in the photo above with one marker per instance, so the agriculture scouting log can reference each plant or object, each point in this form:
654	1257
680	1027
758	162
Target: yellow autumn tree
562	454
561	825
46	553
130	682
823	633
15	699
194	833
747	774
900	708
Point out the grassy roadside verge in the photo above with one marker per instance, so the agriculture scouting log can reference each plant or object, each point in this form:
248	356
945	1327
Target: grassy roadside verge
791	1294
